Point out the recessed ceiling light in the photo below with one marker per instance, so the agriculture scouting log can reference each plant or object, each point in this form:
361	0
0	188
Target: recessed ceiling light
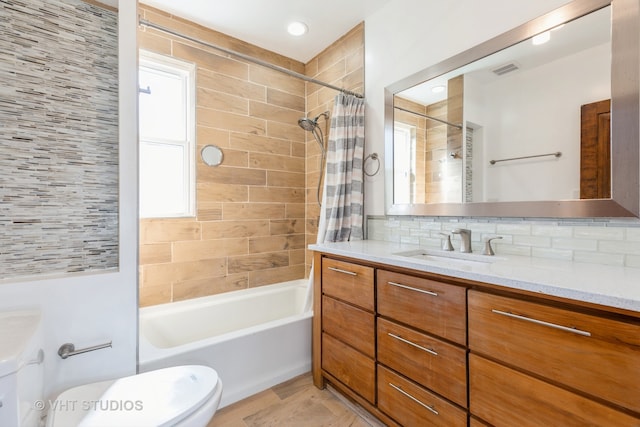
438	89
297	28
541	38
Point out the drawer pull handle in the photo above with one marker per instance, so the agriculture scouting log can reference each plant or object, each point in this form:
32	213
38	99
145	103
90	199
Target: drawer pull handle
428	350
350	273
413	289
431	408
543	323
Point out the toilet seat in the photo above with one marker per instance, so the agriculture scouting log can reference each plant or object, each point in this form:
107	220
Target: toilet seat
163	397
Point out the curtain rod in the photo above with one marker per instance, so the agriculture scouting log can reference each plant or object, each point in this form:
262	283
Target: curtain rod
292	73
428	117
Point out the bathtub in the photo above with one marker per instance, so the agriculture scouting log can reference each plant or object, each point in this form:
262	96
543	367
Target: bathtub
254	338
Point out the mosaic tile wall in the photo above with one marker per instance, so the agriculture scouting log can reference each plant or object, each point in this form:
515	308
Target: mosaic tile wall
468	166
58	137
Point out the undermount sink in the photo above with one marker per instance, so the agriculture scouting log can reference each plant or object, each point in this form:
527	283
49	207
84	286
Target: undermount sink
458	258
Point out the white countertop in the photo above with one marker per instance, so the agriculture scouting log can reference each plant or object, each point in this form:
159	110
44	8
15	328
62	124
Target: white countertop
598	284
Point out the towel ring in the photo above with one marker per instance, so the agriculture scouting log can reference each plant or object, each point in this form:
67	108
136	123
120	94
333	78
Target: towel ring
372	156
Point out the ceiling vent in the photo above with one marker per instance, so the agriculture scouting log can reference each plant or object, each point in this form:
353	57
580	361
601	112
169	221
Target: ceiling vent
504	69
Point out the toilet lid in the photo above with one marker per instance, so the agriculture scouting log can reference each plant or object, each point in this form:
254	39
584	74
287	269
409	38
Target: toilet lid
157	398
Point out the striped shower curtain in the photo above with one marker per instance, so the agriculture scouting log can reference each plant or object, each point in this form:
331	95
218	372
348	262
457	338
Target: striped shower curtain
341	218
343	192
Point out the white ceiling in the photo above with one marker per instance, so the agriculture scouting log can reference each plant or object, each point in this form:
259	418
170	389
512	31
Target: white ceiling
264	22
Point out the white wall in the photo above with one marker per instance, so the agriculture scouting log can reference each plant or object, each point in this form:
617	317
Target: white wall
88	309
406	36
578	79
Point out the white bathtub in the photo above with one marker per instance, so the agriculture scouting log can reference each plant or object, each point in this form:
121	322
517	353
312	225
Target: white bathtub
253	338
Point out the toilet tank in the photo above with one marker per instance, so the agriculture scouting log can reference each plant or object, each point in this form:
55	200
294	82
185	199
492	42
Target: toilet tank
21	368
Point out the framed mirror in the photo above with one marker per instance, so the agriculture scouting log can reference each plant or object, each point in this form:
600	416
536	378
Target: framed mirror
517	126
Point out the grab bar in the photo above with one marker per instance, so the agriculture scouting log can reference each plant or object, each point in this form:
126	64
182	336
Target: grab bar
68	349
556	154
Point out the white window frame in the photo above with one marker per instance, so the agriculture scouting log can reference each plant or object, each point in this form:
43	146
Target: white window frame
187	72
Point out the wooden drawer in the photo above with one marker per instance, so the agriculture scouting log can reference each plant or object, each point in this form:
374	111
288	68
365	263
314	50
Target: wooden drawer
432	363
606	363
351	367
507	398
412	405
349	324
435	307
349	282
473	422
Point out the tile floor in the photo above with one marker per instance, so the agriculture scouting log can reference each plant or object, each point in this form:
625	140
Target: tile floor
295	403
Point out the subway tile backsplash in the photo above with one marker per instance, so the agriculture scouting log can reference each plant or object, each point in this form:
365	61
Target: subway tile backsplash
58	137
607	242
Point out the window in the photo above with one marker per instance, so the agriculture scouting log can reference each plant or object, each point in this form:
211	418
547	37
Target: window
167	133
404	163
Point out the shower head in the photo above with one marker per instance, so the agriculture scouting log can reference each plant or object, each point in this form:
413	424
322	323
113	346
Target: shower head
311	124
307	124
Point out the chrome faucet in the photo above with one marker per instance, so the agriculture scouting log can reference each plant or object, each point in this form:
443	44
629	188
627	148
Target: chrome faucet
465	236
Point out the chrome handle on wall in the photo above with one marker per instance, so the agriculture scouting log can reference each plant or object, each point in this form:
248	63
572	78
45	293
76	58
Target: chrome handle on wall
429	407
68	349
543	323
338	270
428	350
433	294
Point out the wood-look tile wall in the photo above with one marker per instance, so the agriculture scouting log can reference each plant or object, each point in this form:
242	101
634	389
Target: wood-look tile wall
250	224
438	174
342	65
257	212
455	92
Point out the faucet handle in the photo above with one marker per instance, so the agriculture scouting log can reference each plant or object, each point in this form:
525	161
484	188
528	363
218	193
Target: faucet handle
446	243
488	250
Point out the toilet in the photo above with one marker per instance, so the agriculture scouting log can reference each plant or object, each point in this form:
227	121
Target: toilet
186	396
176	396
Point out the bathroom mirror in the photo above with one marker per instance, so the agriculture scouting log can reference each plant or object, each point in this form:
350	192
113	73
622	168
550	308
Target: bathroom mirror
503	137
211	155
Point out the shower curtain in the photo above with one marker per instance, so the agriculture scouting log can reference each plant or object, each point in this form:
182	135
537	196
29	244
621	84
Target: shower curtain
341	214
343	192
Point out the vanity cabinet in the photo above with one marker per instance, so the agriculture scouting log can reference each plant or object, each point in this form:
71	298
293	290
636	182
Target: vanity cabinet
434	307
506	397
428	361
348	326
412	405
418	349
417	319
534	363
394	342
